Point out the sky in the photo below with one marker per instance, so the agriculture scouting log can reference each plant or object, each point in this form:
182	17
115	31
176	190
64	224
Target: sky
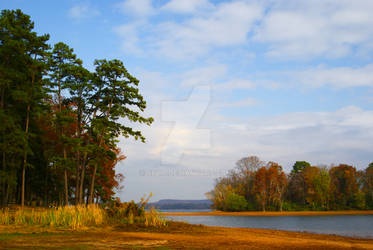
285	80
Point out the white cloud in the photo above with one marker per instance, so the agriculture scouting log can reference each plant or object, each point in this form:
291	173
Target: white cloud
291	29
236	84
306	29
222	25
141	8
186	116
339	77
129	34
82	11
228	25
186	6
319	137
204	75
236	104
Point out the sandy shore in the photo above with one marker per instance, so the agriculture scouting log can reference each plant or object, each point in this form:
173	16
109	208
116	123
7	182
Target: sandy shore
175	236
299	213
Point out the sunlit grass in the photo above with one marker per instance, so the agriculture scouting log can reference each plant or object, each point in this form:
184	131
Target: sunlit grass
73	217
154	218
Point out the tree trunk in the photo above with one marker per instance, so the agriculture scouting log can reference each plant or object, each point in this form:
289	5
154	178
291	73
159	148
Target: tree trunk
78	163
25	159
100	143
4	182
66	187
90	201
77	177
66	190
2	97
7	193
81	198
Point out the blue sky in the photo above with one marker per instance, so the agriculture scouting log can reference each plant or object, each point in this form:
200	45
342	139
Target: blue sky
284	80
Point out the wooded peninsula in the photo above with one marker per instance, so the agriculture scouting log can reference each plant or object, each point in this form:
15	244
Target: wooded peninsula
254	185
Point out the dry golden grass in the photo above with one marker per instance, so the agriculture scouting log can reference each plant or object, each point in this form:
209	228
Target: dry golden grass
73	217
77	217
154	218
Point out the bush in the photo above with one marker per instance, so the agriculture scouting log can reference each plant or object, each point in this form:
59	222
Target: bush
130	213
235	203
124	211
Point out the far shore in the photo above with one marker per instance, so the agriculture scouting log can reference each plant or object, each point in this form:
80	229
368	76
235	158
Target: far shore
272	213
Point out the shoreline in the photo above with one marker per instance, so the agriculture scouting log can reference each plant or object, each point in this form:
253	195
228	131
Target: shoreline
270	213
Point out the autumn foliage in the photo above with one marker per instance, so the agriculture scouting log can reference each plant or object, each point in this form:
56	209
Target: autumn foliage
266	187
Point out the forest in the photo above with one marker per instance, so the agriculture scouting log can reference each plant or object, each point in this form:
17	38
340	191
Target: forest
59	122
257	185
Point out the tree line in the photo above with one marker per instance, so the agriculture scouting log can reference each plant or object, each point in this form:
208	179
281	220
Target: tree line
59	122
257	185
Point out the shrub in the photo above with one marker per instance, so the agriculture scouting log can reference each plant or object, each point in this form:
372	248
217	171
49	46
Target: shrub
124	211
235	202
130	212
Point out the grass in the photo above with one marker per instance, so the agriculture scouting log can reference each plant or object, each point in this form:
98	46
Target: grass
154	219
73	217
76	217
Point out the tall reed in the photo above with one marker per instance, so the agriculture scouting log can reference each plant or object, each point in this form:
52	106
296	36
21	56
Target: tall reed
154	218
73	217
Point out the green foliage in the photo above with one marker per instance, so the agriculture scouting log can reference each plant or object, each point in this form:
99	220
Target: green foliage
292	206
299	166
359	200
235	203
321	183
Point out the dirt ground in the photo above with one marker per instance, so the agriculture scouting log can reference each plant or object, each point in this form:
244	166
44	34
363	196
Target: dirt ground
176	236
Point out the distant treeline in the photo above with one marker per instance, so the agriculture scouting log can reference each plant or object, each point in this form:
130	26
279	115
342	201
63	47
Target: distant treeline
255	185
59	122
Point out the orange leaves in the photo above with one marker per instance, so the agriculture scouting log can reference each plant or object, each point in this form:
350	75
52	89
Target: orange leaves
344	185
270	185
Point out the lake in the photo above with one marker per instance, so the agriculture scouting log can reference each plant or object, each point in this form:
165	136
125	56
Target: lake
345	225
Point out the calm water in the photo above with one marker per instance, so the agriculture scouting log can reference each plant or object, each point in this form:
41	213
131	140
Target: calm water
345	225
